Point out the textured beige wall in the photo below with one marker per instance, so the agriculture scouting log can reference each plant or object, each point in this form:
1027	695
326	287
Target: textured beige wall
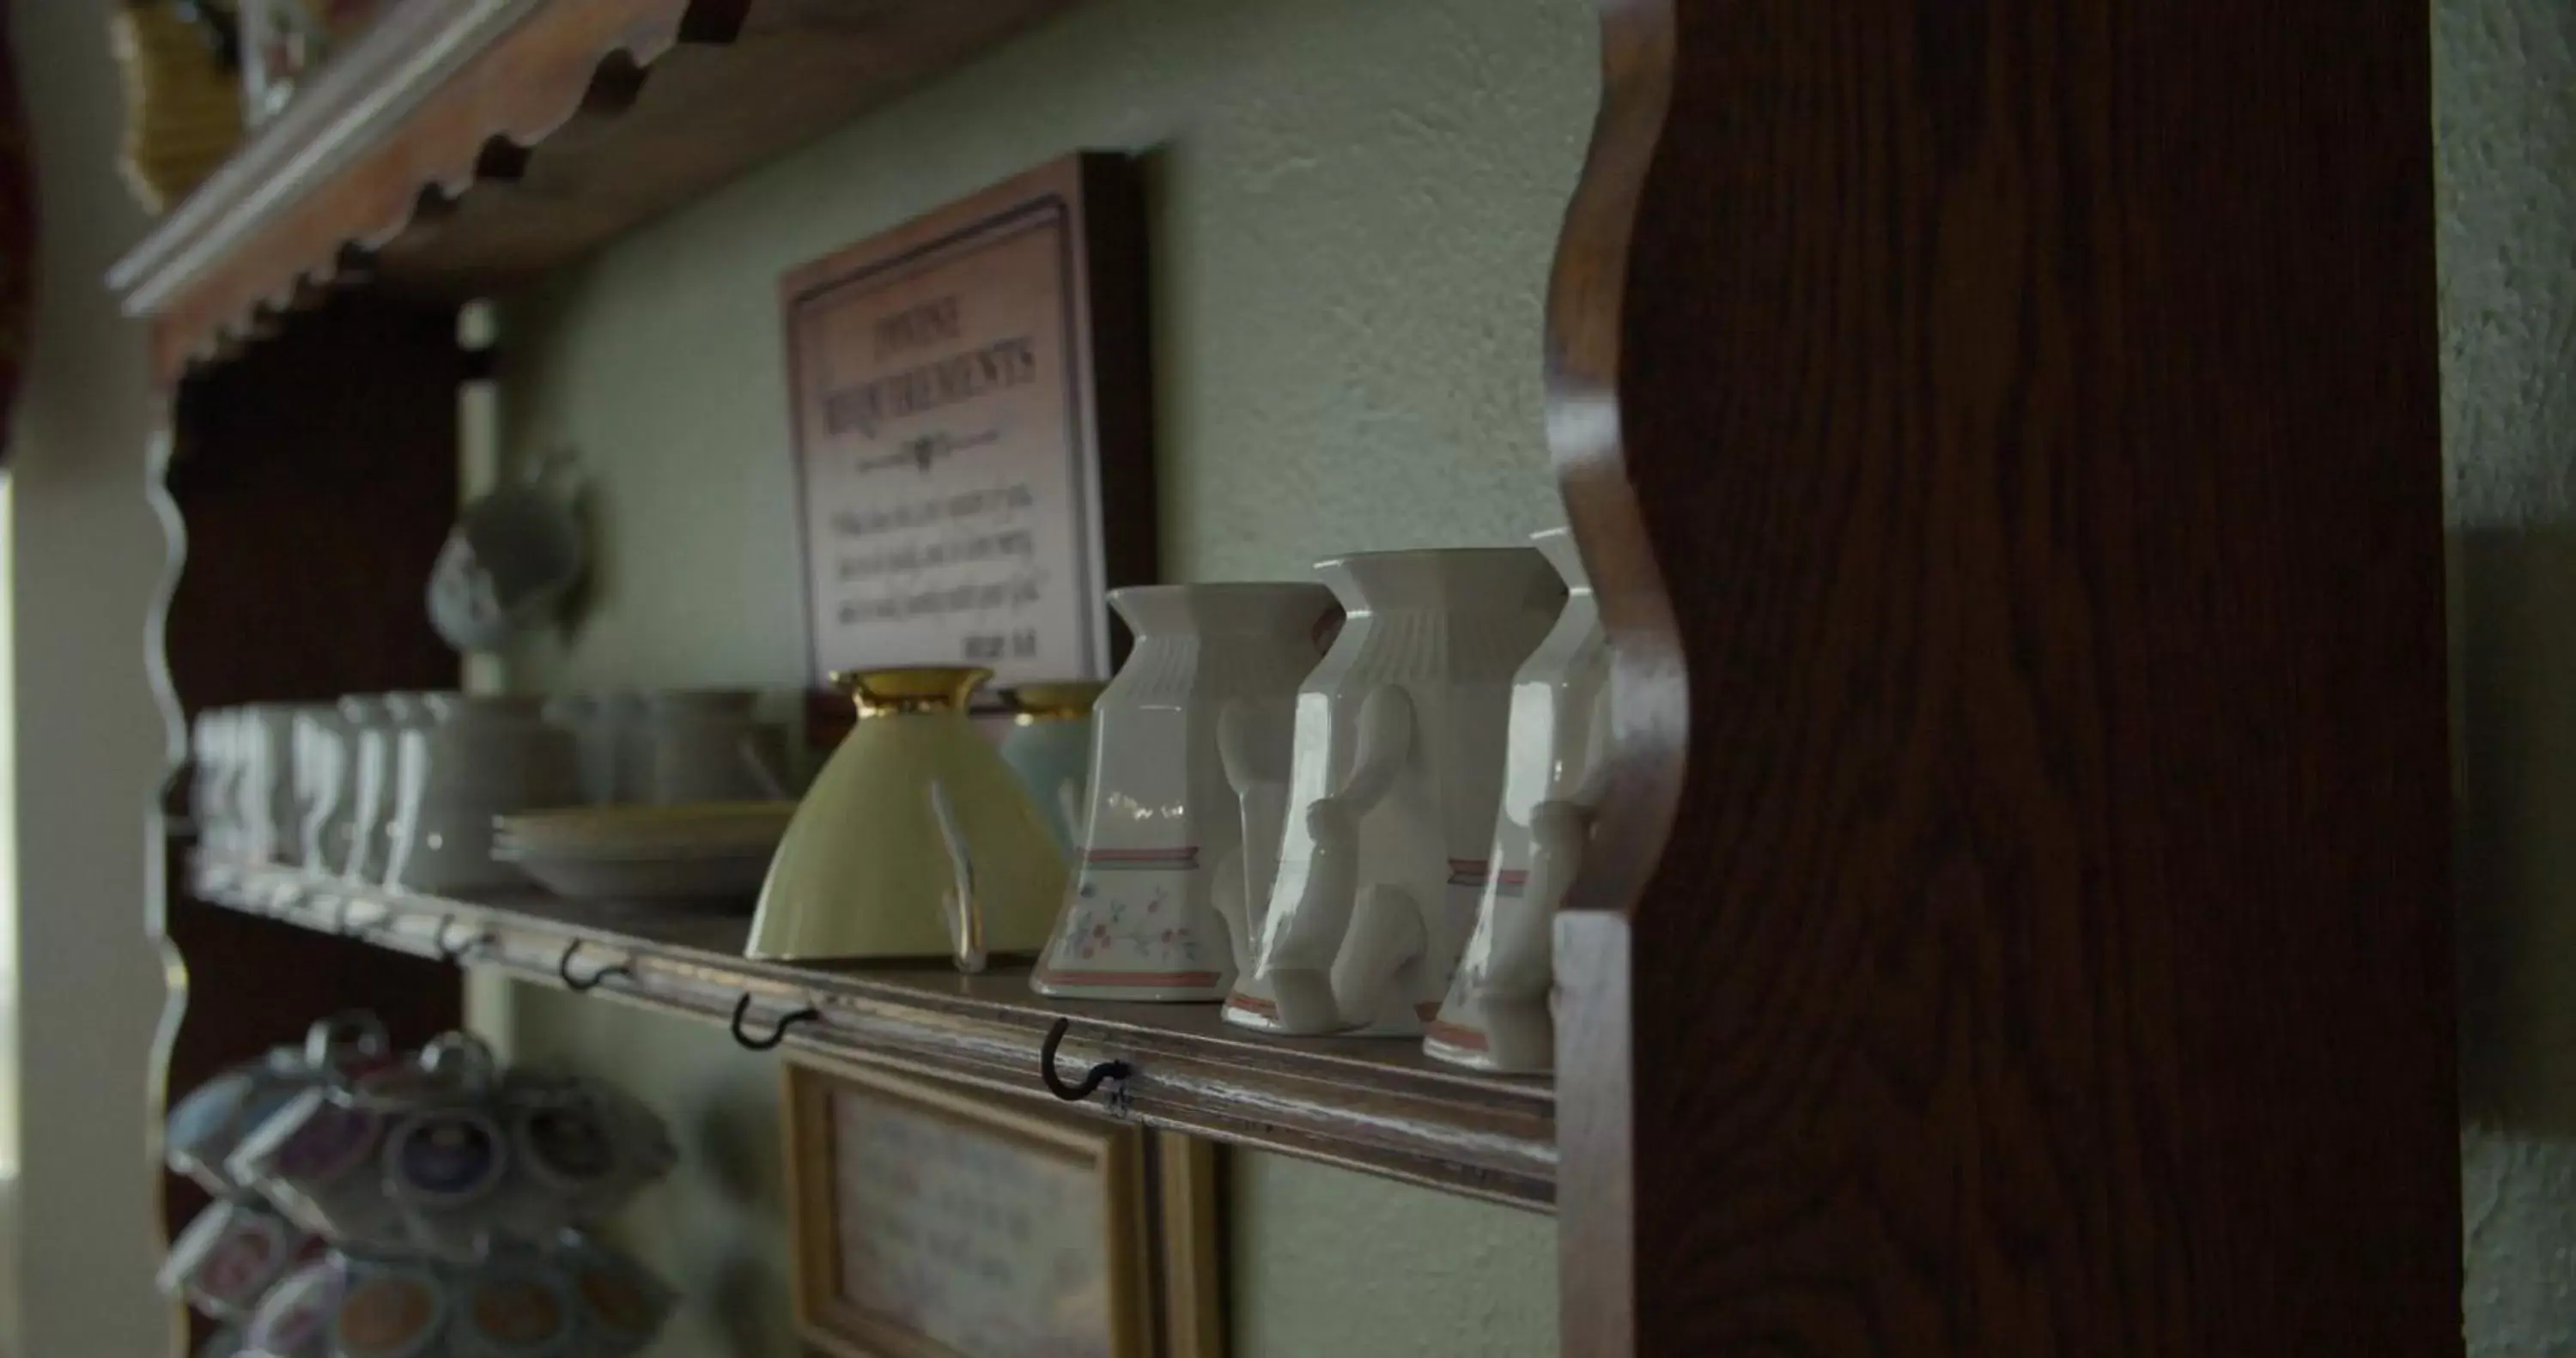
1318	306
1353	203
87	555
2505	74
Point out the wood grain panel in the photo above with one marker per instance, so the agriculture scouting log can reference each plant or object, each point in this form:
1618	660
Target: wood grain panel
2005	435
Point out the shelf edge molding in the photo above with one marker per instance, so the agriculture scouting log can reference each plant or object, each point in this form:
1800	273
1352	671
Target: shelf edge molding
378	170
1476	1136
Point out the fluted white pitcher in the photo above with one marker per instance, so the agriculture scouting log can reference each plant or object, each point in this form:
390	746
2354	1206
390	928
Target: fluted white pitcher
1396	767
1156	908
1497	1016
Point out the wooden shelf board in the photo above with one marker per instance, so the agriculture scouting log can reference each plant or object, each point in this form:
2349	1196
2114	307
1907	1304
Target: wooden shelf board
464	146
1367	1104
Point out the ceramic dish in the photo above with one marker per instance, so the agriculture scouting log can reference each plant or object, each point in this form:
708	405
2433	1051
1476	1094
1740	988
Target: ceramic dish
736	828
730	878
698	852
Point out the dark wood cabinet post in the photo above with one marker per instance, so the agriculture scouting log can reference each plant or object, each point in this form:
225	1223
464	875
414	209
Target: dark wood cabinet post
2006	438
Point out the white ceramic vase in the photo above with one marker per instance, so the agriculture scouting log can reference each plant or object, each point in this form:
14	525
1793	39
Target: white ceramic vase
1156	904
1396	769
1497	1015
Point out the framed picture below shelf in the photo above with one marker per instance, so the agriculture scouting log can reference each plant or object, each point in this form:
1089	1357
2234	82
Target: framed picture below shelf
937	1222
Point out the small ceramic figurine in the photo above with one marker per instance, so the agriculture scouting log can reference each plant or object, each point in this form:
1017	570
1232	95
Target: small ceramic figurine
1497	1015
1156	911
914	841
1395	771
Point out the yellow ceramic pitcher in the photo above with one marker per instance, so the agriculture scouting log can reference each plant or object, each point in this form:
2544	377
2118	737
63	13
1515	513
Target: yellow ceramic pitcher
915	841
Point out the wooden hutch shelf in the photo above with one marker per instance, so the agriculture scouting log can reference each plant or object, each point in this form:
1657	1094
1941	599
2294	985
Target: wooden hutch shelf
463	146
1366	1104
2006	444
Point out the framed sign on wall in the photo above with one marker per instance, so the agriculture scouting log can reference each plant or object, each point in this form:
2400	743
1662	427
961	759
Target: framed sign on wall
972	429
934	1222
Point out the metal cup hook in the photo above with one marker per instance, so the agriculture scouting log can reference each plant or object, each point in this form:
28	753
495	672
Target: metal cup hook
777	1034
1055	1083
584	985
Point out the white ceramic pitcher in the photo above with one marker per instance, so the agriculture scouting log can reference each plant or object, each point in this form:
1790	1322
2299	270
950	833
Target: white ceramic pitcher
264	793
1497	1015
1155	910
476	758
1395	771
217	745
373	721
322	767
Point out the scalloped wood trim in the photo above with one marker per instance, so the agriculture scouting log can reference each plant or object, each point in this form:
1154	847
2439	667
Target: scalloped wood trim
462	148
1586	316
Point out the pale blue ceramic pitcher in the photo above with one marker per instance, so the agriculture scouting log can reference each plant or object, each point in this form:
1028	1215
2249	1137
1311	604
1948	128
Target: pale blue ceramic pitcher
1049	747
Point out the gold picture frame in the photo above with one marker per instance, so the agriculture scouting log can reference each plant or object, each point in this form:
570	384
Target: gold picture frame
933	1221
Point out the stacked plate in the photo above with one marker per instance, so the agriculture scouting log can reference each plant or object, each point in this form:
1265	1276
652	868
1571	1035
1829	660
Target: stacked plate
710	851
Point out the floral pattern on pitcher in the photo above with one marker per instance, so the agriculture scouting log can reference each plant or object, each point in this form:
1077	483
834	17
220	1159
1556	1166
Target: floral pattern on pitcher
1126	922
1150	929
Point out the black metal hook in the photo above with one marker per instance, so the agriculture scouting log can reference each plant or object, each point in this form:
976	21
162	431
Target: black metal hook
454	953
778	1034
582	986
1105	1071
